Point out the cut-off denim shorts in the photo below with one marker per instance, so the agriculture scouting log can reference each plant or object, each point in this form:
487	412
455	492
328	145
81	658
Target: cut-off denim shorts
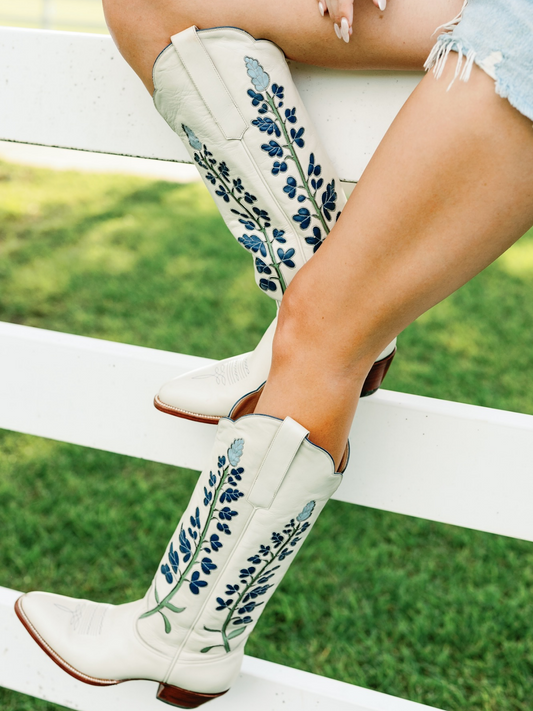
497	35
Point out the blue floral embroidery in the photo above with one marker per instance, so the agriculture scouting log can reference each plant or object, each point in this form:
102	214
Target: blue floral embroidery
259	77
199	536
254	581
193	140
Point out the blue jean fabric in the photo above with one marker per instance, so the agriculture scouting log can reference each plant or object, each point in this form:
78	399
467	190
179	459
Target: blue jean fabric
497	35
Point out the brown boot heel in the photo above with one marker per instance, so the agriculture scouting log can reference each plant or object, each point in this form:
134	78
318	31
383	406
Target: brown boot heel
377	375
182	698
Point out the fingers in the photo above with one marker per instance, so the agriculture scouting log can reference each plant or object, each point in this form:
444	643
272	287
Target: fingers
341	12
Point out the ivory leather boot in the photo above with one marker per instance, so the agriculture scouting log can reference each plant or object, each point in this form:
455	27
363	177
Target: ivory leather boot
252	508
232	100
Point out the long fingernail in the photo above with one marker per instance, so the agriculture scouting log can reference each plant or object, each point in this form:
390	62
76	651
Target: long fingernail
337	30
321	9
345	30
382	4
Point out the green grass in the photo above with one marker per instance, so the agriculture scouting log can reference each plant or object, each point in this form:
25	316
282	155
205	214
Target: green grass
430	612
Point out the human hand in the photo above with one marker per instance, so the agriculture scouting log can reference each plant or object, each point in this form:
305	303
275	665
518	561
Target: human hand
341	12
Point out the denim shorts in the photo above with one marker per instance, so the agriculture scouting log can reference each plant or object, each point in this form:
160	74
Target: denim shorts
497	35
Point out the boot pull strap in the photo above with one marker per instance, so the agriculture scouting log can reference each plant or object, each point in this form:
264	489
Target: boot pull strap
277	461
209	84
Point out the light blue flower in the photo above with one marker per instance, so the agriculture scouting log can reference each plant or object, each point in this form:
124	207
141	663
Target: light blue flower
306	511
193	139
235	452
255	71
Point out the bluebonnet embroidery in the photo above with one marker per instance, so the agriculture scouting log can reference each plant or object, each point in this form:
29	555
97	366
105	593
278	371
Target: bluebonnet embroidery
241	598
198	537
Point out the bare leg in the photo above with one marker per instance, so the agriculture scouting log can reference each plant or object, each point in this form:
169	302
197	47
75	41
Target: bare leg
400	38
407	238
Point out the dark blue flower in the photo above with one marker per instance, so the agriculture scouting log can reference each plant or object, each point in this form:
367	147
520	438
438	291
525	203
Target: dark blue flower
212	479
224	528
207	565
295	541
267	125
279	167
185	546
305	526
296	136
192	534
285	257
329	197
290	188
255	559
253	243
208	495
259	590
277	539
221	462
248	224
242	621
237	184
316	240
249	198
290	115
264	550
226	513
247	572
195	583
250	607
267	285
284	554
301	198
211	178
256	98
224	170
237	473
195	520
262	268
262	109
166	572
173	558
277	91
232	589
265	578
273	149
303	217
222	192
278	236
230	494
261	214
257	74
223	604
215	542
317	184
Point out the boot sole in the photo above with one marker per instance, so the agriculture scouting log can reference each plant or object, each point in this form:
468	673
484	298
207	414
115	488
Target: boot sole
373	382
173	695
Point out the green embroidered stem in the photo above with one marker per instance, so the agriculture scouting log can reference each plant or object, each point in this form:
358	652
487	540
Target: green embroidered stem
298	164
194	557
251	583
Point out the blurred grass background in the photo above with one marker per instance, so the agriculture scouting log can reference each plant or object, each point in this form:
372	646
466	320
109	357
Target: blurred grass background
433	613
430	612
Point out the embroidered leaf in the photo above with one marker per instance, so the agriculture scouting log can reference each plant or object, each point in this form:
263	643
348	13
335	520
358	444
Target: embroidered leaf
173	608
235	633
267	285
279	167
303	217
165	569
173	558
277	91
290	115
195	583
290	188
256	98
207	649
167	623
262	267
255	71
273	149
278	236
267	125
297	136
253	243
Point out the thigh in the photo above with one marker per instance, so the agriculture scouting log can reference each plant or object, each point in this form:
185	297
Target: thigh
399	38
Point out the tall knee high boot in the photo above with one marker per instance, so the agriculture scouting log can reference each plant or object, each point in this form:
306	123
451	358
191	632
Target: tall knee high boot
252	508
233	102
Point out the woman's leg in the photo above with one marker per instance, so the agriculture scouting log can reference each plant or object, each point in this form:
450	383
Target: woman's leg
448	190
399	38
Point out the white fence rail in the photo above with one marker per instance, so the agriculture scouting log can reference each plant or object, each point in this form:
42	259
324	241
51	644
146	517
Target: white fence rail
459	464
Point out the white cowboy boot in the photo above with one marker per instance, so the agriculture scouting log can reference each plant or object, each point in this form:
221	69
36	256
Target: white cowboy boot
233	102
251	509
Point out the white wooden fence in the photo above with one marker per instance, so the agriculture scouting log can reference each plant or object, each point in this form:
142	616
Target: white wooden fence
459	464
